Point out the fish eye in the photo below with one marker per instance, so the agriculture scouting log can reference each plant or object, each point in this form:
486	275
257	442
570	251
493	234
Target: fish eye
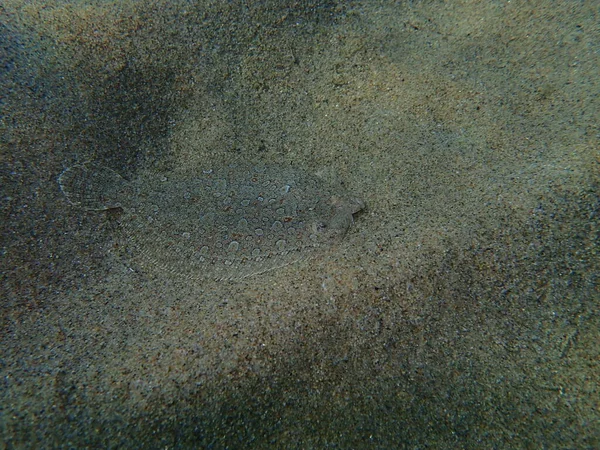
321	226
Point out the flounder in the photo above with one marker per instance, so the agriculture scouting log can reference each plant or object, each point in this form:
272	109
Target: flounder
224	223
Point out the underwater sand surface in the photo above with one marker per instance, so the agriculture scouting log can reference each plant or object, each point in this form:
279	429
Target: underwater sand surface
459	307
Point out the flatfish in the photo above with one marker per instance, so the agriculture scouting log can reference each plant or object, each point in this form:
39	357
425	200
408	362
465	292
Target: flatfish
224	223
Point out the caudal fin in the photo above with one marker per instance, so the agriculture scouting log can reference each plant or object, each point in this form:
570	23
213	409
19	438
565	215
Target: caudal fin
92	187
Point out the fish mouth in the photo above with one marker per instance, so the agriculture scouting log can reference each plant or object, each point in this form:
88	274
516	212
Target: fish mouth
342	217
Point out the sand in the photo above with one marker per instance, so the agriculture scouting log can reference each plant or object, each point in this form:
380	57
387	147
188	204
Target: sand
459	311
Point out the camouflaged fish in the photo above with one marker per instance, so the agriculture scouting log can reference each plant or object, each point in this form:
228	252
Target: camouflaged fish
224	223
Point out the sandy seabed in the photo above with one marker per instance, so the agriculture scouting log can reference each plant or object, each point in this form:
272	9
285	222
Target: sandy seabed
460	310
